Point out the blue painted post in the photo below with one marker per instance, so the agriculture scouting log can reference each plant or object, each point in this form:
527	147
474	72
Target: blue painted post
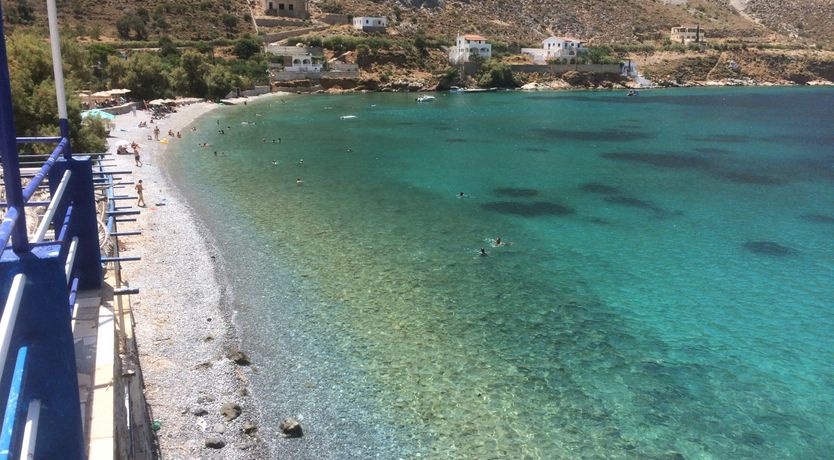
44	325
8	150
84	222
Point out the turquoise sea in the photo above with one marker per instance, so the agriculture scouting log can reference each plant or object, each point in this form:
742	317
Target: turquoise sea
668	291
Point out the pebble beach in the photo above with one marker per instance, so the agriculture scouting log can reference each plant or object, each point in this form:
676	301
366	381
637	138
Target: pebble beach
187	340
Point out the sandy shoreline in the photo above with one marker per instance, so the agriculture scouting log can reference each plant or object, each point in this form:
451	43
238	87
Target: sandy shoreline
184	328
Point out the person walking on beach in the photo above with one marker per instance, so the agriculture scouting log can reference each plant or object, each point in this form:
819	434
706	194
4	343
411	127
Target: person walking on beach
136	157
140	189
156	133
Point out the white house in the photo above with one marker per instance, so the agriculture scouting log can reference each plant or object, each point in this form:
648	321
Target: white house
370	23
555	48
303	64
562	47
467	46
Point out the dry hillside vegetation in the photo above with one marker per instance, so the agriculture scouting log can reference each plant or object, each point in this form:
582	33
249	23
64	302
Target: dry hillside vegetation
510	21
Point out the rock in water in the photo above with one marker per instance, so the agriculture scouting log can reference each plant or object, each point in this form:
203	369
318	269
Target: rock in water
291	428
215	443
230	411
239	358
249	428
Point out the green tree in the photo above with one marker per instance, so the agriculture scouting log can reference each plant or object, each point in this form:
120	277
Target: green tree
20	13
145	76
167	48
116	72
33	94
195	69
246	47
229	22
219	82
496	74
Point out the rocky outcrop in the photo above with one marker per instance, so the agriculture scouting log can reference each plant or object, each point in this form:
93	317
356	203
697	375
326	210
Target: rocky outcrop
291	428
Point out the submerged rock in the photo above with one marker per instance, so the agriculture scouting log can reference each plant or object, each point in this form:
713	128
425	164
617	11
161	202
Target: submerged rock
199	411
249	427
240	358
230	411
291	428
215	443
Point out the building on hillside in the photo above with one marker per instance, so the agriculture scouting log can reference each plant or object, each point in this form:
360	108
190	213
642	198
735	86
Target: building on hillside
370	23
555	48
297	58
687	34
286	8
468	46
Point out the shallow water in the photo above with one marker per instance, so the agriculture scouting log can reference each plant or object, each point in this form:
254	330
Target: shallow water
667	288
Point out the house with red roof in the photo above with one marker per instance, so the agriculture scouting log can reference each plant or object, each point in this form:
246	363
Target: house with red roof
469	46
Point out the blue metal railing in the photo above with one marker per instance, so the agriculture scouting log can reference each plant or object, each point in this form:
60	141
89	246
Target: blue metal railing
40	277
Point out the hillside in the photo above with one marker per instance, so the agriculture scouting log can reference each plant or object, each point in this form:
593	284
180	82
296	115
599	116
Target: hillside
513	22
150	19
805	19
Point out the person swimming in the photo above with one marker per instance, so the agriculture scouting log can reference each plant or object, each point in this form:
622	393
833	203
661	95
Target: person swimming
483	252
298	181
274	163
498	241
461	195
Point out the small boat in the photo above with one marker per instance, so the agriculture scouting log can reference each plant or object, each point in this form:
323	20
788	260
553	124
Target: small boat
424	98
348	117
633	92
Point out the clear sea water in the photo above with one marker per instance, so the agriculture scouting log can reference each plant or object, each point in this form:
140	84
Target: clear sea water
669	289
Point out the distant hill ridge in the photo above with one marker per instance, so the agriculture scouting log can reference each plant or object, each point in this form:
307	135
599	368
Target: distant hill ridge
512	21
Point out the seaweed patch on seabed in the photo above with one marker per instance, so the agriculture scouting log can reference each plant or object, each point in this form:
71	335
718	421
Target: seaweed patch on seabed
630	202
817	218
769	248
750	178
516	192
662	160
537	209
595	187
734	138
712	150
601	135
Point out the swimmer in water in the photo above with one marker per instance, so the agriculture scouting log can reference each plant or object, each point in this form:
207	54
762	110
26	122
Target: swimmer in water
461	195
274	163
298	181
301	162
498	241
483	253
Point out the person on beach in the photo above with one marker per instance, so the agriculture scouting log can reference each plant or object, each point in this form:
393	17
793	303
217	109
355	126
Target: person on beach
179	136
136	157
140	189
156	133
